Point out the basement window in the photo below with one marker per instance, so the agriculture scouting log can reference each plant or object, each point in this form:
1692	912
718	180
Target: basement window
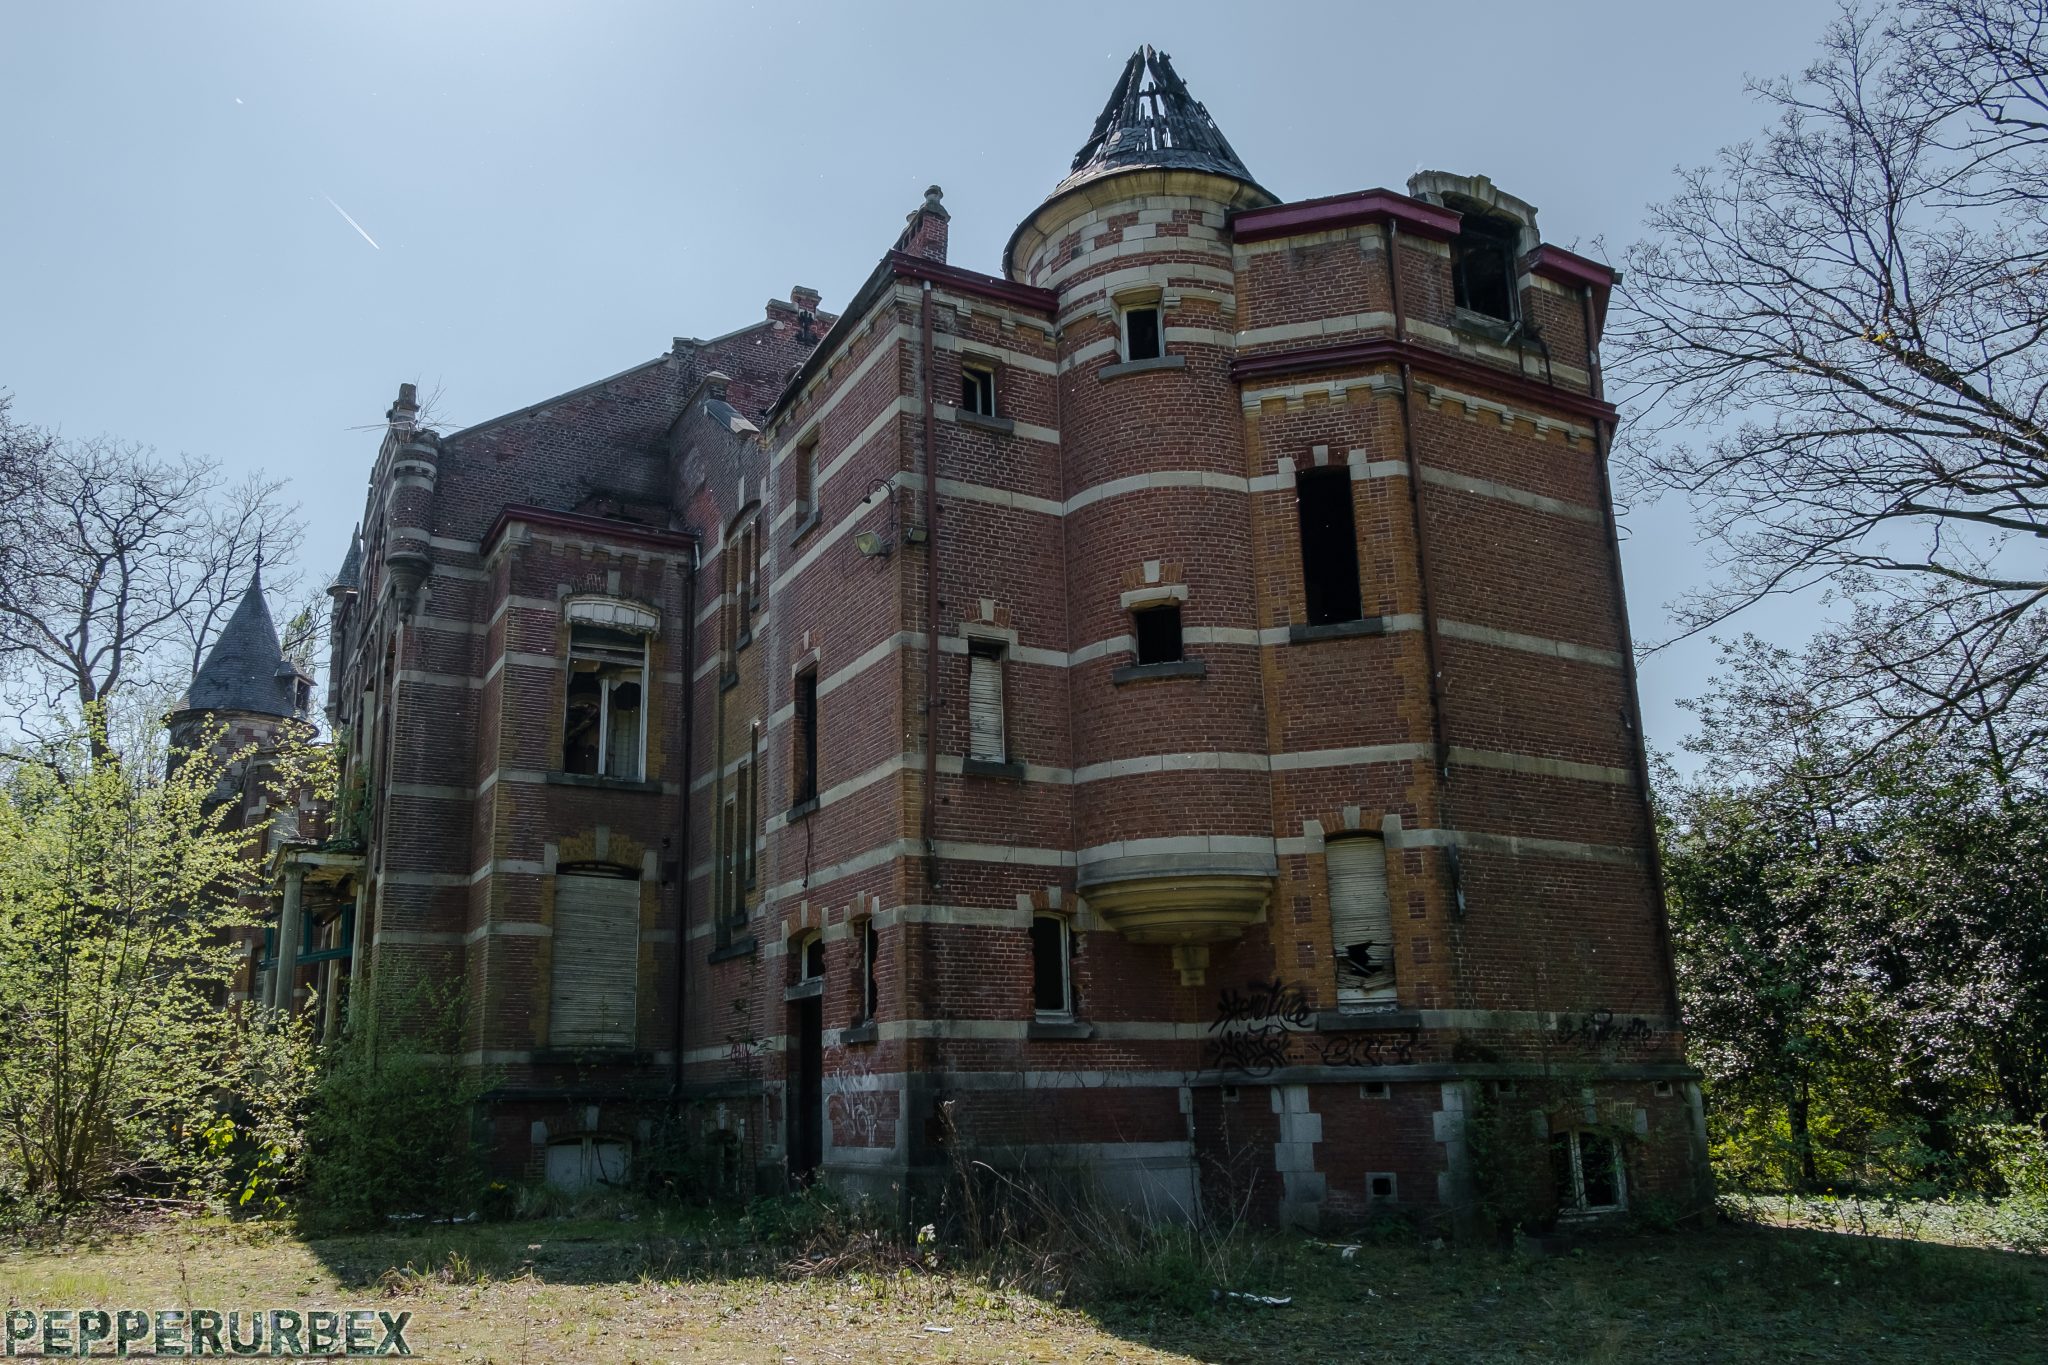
978	390
1483	265
1329	545
804	757
1158	633
1588	1172
1052	986
604	721
1142	333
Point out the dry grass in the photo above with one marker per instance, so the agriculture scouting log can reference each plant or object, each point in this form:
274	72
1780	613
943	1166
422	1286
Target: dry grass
666	1287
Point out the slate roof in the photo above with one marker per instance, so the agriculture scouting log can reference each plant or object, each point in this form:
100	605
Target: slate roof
1156	125
246	669
350	579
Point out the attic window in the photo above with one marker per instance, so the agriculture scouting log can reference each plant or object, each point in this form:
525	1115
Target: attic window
1483	265
978	390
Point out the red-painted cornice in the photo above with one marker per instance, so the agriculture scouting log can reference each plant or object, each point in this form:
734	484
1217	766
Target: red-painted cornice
907	266
607	528
1570	268
1345	210
1387	351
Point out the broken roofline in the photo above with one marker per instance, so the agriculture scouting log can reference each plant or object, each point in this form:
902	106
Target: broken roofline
902	265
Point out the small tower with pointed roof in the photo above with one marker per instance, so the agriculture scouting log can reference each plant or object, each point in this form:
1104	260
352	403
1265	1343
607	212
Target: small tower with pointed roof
246	685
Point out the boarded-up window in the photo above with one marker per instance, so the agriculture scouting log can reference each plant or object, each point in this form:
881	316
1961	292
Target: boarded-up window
596	961
1361	924
985	739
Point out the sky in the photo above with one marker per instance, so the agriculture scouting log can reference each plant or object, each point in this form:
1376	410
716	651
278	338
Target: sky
234	230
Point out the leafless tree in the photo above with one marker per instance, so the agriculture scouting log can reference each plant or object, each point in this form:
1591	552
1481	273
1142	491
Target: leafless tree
1832	344
118	567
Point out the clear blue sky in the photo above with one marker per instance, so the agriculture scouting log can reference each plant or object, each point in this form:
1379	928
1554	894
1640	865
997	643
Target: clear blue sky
557	190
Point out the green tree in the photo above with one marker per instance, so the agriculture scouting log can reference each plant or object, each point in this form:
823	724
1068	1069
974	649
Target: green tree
119	884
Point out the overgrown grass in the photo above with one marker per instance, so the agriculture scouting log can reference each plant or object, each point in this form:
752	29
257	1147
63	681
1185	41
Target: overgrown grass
810	1278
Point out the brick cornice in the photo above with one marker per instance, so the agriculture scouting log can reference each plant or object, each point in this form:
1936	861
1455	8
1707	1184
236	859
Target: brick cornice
1387	351
606	528
1342	211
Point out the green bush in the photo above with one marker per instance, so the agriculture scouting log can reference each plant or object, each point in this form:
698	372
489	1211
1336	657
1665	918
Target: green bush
389	1128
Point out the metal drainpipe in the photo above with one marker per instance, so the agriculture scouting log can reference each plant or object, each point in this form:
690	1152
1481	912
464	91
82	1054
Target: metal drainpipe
931	603
1430	643
683	860
1596	387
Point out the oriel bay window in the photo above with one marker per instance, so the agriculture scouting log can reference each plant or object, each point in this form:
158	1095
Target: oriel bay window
604	725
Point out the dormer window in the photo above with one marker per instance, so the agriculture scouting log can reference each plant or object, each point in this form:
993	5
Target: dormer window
1483	265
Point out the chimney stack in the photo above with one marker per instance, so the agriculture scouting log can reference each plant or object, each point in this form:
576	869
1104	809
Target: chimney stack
924	233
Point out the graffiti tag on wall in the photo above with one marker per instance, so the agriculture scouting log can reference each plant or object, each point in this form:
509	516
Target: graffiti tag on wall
1254	1026
1603	1026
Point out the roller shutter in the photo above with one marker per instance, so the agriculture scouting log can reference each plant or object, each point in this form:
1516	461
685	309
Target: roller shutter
985	708
596	962
1361	922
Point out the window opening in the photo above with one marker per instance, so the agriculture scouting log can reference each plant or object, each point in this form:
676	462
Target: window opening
869	944
985	737
1141	333
1329	545
1158	633
806	757
1587	1168
602	732
807	475
1051	980
1483	265
750	851
978	390
1361	921
811	958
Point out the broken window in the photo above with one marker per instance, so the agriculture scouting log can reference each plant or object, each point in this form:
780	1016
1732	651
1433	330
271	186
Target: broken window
1052	986
1329	545
985	737
978	390
1142	332
1483	265
804	786
810	960
603	730
1158	633
1361	921
1587	1168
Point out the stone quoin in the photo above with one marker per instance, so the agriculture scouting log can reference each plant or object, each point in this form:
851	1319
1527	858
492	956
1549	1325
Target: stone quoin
1162	716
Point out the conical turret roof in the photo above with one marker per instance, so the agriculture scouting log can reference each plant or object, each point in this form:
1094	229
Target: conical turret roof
350	579
1151	121
246	669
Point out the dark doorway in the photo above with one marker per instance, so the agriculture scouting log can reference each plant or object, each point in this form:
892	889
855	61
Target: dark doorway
807	1090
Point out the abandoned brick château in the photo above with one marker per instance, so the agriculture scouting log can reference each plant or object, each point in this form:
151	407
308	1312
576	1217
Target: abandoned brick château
1163	712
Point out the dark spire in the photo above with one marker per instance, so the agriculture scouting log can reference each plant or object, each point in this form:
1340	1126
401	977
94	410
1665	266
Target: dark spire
350	579
1153	124
246	669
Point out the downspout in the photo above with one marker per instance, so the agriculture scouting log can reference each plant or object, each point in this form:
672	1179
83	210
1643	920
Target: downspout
1596	388
1432	646
688	708
931	599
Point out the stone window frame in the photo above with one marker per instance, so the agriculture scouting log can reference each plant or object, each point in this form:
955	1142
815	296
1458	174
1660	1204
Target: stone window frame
1572	1202
1151	597
1142	298
807	499
990	368
985	640
1069	1012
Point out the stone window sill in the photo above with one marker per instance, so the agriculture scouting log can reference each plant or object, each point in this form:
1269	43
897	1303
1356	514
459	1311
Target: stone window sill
1158	362
1178	668
733	951
1069	1029
614	784
1337	630
1367	1021
806	990
1485	325
982	767
746	638
807	525
623	1055
1002	426
800	810
860	1033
